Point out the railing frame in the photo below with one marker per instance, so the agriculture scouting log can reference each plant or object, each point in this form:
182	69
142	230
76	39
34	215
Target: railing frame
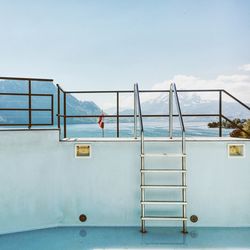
118	115
29	109
65	117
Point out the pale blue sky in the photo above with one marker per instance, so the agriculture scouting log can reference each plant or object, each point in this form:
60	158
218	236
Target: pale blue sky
112	44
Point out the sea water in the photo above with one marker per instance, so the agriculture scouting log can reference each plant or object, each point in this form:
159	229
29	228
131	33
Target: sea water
151	129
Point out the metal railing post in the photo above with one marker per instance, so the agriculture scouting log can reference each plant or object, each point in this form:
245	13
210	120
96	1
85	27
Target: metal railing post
220	113
52	110
58	107
30	112
171	112
117	113
135	113
64	117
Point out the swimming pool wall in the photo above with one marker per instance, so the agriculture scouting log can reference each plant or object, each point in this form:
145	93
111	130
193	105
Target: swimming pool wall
44	185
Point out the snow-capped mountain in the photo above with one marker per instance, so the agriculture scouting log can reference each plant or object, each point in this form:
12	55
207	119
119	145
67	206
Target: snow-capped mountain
192	103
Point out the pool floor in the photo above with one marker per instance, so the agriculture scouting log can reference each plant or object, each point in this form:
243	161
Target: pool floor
97	238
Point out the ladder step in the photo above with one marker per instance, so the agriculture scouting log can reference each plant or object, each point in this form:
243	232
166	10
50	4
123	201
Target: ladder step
163	171
162	186
163	155
163	218
163	202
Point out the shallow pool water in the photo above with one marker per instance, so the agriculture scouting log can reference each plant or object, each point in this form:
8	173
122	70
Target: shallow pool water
97	238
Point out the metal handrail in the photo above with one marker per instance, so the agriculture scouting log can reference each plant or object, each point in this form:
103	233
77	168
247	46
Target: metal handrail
236	125
142	91
26	79
138	105
143	115
183	144
173	88
236	99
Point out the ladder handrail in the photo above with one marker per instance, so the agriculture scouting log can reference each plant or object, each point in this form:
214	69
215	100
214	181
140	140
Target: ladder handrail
183	144
173	89
138	105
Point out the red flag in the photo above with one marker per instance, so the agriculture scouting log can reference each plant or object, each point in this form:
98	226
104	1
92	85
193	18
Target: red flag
101	121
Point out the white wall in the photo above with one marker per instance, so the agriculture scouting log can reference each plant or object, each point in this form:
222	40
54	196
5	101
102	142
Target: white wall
43	184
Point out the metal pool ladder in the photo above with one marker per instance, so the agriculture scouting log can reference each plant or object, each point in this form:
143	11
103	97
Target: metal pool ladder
182	187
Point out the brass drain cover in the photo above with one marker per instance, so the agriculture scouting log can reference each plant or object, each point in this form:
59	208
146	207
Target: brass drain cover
194	218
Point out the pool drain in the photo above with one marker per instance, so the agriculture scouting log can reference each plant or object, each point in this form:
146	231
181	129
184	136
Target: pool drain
194	218
82	218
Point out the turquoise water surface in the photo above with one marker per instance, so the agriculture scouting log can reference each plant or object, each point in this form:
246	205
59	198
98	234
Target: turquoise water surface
97	238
